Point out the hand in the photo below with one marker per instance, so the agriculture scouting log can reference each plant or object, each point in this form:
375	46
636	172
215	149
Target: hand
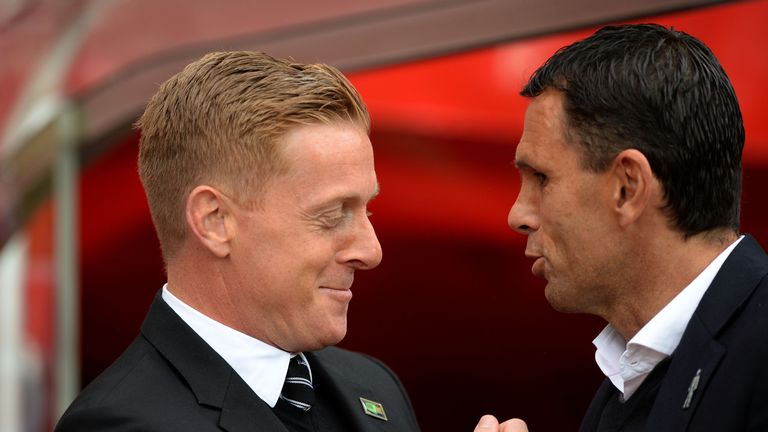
488	423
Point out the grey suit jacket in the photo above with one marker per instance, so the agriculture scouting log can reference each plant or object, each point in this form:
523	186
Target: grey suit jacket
169	379
726	343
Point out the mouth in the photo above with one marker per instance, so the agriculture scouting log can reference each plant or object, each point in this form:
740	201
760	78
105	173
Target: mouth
538	267
341	294
538	264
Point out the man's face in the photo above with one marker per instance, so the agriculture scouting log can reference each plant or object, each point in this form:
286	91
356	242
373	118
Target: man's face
563	209
294	257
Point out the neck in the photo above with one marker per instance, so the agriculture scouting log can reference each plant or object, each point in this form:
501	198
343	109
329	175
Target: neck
663	267
195	279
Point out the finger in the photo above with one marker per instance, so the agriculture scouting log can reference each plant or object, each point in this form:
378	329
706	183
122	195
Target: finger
488	423
514	425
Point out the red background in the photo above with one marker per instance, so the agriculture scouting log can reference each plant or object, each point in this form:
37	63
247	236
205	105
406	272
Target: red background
453	307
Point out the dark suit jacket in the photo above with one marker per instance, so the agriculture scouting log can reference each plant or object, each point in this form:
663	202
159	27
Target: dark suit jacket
727	340
169	379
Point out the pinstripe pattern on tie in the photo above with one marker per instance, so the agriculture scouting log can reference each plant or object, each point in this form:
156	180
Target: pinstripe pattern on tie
297	389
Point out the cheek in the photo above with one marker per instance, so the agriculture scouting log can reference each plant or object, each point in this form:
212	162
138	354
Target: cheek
557	221
321	254
314	266
564	232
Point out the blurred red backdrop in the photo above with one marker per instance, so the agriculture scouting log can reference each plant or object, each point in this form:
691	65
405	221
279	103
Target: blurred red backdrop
453	307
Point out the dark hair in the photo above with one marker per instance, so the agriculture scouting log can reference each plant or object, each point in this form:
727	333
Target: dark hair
664	93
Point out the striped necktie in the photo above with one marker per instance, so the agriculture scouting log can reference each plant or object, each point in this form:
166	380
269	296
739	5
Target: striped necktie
297	389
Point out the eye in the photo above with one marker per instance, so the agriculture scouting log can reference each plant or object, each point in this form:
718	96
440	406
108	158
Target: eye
541	177
332	220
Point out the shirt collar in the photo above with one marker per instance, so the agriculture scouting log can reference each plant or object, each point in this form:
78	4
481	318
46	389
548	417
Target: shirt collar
262	366
627	364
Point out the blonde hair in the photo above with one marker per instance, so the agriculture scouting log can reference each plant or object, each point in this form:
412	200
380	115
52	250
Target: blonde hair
219	121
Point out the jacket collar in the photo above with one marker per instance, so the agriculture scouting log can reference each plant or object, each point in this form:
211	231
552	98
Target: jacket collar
699	352
216	385
208	376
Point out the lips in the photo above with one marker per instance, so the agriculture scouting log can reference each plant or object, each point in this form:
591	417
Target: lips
538	264
538	267
342	294
334	288
343	284
339	287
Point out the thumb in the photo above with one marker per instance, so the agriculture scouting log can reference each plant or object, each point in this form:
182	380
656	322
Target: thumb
514	425
488	423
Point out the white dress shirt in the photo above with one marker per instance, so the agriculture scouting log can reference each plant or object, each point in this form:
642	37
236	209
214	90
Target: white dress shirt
628	364
262	366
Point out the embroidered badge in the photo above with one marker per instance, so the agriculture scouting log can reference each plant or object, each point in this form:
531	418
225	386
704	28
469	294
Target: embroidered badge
373	409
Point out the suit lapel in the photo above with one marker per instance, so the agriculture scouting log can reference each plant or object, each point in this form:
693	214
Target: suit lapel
214	383
347	394
698	356
699	352
243	411
350	395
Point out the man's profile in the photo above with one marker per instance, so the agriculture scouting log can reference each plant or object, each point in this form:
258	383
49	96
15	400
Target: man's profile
630	161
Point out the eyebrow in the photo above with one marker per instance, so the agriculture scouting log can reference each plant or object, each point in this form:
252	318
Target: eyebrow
351	197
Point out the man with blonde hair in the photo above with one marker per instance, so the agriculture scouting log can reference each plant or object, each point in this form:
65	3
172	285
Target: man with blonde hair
258	173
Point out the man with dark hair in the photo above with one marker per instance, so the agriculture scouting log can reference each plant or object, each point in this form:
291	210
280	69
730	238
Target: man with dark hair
258	173
630	162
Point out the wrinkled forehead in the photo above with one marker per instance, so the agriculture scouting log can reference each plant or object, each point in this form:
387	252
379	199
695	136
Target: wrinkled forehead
545	122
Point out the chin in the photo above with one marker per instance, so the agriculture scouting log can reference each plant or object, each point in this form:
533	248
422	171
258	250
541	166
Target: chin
337	334
556	299
332	335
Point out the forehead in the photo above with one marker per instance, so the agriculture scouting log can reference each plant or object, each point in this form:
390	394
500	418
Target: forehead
545	138
321	145
322	138
328	159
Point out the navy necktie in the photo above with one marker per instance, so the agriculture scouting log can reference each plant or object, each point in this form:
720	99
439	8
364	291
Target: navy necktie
297	389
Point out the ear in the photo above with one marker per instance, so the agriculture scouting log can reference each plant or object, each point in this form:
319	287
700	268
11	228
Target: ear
634	185
209	219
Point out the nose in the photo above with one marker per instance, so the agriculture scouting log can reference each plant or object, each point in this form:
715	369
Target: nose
523	216
364	251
